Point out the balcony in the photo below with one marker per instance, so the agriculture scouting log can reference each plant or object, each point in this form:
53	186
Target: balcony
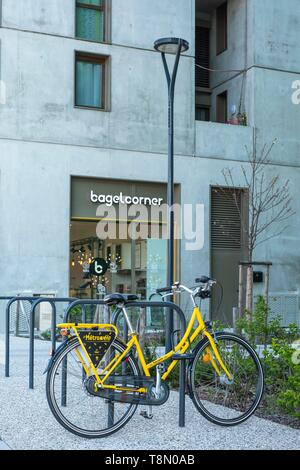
224	141
219	96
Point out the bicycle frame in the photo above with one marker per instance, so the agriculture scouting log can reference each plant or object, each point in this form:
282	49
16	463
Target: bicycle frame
188	338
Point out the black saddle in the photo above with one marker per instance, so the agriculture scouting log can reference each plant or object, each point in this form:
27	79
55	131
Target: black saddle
115	299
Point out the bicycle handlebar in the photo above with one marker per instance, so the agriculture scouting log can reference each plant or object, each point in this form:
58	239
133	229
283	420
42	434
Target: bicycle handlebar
202	291
163	290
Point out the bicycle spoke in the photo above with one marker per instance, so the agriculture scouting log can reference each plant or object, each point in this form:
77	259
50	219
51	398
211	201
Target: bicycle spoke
75	406
216	396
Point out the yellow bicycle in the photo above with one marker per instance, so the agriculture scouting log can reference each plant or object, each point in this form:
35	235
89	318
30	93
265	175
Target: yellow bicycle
95	381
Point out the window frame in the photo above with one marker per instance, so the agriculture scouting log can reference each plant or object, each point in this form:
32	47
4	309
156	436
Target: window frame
224	9
224	96
200	29
204	108
93	58
106	9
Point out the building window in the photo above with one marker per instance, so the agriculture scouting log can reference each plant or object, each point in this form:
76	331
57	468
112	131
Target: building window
202	113
91	78
222	107
221	28
202	56
91	20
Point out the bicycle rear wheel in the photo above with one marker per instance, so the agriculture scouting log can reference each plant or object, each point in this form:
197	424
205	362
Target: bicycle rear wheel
220	400
70	401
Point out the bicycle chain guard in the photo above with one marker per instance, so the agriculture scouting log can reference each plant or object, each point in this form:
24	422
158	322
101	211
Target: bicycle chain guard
128	396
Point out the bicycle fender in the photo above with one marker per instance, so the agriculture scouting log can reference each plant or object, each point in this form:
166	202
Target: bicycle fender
52	359
190	363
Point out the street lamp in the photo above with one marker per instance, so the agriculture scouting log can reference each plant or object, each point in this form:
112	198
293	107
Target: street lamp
174	46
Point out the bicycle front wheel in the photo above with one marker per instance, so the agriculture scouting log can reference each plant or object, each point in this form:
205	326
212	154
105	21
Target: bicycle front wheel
70	401
224	401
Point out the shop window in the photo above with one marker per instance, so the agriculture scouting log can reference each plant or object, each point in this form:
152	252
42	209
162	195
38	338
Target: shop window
131	266
91	81
92	20
221	28
222	107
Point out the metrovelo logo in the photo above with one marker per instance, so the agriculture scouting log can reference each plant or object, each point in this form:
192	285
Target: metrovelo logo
94	338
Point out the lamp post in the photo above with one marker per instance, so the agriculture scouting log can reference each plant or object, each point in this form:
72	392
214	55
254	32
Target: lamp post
174	46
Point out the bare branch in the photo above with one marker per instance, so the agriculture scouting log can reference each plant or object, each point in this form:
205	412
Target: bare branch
270	203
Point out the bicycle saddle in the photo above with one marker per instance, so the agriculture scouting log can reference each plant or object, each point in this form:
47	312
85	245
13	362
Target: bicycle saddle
115	299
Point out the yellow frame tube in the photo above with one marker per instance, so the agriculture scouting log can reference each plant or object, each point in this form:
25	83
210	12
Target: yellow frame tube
181	347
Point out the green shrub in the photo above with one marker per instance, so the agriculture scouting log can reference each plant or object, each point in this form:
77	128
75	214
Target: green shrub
282	378
46	335
282	374
261	328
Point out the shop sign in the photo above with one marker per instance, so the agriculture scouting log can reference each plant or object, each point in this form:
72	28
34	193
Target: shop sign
109	200
98	267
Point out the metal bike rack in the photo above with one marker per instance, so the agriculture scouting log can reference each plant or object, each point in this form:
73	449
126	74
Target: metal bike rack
182	372
7	329
52	301
115	317
83	303
34	301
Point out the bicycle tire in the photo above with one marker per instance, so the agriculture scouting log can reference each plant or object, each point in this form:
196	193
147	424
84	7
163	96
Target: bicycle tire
200	404
62	420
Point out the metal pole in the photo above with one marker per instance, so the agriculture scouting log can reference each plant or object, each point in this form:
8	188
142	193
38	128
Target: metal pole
7	345
53	328
171	80
31	347
182	385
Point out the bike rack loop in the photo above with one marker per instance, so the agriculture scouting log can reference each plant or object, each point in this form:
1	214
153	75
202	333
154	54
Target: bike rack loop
7	330
38	301
182	372
35	301
117	313
8	299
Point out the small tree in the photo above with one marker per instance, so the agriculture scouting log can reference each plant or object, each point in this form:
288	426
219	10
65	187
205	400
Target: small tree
269	205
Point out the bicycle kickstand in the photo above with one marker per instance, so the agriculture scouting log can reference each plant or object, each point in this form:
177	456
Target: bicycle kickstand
147	414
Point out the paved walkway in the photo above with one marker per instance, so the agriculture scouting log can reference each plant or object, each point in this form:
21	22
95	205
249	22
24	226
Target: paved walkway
26	422
3	446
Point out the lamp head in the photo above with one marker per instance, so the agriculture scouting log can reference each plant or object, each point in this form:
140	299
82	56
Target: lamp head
170	45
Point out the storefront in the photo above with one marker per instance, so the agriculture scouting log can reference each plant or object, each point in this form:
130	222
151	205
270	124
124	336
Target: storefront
112	252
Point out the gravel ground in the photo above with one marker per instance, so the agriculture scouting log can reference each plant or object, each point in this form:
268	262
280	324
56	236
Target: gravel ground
26	422
3	446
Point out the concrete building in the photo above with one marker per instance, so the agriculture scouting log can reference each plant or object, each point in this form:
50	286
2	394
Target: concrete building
84	108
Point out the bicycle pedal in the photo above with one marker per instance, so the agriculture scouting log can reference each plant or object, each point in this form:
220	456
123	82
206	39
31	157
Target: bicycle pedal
146	415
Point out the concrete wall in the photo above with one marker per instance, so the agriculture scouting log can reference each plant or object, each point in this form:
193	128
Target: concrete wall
44	139
35	206
40	97
136	24
276	40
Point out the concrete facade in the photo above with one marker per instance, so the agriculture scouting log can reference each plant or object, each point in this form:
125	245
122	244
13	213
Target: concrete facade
44	140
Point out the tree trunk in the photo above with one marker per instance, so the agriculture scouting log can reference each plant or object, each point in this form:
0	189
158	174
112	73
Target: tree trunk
249	294
241	290
267	292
